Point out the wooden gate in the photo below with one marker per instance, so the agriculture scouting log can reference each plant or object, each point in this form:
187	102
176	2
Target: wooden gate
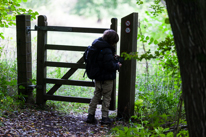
42	63
24	60
127	73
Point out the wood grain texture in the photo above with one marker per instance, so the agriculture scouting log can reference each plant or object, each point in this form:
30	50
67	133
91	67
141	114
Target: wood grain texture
24	56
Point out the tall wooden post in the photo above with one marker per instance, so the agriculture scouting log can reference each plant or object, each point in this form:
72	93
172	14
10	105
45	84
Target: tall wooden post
127	74
41	58
24	56
113	96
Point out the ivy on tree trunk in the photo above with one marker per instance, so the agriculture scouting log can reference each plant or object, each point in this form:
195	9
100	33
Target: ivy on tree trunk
188	22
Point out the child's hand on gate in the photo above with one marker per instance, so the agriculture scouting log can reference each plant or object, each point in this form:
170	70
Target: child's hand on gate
116	56
119	64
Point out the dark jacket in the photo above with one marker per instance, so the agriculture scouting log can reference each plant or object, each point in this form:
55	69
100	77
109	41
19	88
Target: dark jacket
105	60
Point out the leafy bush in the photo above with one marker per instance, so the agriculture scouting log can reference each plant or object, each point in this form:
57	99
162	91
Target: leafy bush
8	87
9	9
8	78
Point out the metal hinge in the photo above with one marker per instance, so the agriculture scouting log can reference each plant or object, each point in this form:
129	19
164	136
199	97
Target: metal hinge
28	29
31	86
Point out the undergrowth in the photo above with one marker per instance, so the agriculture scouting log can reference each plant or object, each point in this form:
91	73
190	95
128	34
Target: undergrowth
157	109
156	103
9	98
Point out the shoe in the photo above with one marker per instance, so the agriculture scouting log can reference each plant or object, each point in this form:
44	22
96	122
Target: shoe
106	120
91	119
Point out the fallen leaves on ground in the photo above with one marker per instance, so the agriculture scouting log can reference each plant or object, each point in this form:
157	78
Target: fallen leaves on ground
32	122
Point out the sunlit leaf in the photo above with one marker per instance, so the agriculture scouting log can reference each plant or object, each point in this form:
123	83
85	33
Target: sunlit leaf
155	42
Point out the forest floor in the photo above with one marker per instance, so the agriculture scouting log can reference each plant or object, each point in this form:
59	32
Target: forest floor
38	122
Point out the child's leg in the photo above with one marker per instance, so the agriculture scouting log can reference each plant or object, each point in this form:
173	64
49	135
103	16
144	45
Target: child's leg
96	98
107	88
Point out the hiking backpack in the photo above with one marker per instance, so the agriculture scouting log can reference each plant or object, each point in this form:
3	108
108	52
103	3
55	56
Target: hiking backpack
90	58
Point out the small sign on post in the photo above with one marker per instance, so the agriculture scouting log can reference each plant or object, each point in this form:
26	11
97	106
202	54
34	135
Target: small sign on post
127	23
127	30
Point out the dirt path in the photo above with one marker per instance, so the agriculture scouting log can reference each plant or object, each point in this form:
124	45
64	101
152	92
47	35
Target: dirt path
31	122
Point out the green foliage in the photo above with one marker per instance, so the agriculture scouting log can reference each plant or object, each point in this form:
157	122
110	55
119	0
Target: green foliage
160	132
157	92
156	7
8	87
139	2
147	126
151	35
7	77
183	133
165	51
136	130
141	130
156	45
8	11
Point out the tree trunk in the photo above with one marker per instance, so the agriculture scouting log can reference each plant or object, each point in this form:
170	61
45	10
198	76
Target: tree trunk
188	22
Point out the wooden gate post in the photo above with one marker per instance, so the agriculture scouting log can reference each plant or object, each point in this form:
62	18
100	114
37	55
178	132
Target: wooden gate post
127	74
41	58
113	96
24	56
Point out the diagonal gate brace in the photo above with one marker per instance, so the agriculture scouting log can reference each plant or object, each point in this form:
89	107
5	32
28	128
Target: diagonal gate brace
66	76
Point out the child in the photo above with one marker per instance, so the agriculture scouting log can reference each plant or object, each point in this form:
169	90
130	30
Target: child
104	82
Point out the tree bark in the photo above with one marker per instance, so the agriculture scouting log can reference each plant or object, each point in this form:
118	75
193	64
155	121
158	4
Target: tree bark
188	22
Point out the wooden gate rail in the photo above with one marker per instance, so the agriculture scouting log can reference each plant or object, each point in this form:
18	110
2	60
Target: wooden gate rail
65	65
70	82
68	99
70	29
64	47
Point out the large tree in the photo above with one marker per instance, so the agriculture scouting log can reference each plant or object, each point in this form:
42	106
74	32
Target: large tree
188	22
